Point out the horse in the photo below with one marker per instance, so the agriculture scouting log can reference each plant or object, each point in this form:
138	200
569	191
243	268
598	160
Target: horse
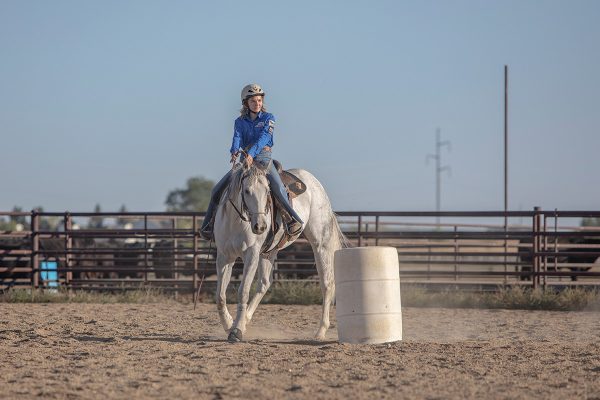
242	222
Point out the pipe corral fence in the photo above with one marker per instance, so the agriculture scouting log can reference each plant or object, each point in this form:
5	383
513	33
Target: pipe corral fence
468	250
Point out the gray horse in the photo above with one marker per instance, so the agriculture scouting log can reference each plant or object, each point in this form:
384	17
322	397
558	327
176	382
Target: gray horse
242	223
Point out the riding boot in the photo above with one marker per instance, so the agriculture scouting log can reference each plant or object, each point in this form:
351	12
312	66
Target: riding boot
294	225
206	230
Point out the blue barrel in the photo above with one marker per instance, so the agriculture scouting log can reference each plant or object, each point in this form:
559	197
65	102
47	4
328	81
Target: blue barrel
48	273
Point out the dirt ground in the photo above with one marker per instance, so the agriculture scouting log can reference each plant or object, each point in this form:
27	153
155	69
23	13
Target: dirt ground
94	351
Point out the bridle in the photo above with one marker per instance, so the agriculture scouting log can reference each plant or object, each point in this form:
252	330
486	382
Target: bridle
245	209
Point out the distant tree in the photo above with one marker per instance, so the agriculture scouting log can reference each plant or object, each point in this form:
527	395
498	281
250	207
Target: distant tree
6	225
121	221
194	197
46	223
11	223
96	222
590	221
21	219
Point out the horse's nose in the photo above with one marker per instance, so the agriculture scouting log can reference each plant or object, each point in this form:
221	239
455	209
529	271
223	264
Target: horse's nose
259	228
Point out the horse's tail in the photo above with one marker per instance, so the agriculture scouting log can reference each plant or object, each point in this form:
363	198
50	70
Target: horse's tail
342	240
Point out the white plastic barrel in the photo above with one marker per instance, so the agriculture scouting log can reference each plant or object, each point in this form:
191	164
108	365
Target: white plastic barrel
367	281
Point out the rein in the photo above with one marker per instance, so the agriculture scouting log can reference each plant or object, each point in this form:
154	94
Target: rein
242	216
245	208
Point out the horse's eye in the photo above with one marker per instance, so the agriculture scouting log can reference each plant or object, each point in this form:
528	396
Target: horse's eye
247	191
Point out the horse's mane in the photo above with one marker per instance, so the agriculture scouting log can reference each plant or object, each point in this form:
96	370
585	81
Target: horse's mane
253	174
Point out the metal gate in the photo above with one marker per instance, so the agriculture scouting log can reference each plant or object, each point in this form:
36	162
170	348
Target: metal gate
124	251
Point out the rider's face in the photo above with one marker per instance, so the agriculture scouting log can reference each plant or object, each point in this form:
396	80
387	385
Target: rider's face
255	104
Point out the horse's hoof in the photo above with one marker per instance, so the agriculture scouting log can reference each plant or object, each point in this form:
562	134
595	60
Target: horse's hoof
320	335
234	336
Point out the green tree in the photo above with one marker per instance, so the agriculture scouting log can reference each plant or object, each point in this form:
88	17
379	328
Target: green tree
194	197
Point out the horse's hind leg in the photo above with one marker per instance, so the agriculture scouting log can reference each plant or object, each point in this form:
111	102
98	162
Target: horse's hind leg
324	245
224	267
265	279
327	288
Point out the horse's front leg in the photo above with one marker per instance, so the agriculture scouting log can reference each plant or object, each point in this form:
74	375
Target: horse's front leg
265	279
251	258
224	267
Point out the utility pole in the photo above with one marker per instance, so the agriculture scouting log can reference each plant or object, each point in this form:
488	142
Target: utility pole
506	168
505	147
438	170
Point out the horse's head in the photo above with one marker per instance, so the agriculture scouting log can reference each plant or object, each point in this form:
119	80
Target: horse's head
256	197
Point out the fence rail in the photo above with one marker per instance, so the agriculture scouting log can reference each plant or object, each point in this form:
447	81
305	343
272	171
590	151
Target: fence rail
159	249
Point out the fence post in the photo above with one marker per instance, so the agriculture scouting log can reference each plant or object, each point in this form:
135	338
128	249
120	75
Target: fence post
176	263
545	249
35	247
556	242
68	225
456	250
535	259
377	230
195	255
429	261
145	250
505	247
359	230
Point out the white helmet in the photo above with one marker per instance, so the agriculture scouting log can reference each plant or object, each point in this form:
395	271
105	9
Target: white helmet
251	90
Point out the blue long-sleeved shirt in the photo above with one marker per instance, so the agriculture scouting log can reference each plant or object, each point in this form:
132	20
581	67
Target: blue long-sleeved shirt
253	134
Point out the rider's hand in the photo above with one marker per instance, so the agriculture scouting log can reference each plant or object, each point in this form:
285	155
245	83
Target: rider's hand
249	160
233	157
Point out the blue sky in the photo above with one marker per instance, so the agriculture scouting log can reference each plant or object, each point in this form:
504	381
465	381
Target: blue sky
119	102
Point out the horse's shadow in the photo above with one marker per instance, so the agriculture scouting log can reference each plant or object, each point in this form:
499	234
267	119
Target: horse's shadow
306	342
201	340
259	342
160	338
142	338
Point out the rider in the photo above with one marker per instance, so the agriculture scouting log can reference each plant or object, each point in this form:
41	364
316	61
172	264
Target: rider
253	137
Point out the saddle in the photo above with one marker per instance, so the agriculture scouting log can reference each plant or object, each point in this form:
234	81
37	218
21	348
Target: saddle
277	236
294	186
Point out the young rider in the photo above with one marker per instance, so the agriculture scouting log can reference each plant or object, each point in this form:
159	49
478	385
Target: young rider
253	133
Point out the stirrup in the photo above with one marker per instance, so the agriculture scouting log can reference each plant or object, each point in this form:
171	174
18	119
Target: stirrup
207	232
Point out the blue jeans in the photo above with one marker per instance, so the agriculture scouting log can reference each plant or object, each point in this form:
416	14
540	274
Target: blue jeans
264	159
